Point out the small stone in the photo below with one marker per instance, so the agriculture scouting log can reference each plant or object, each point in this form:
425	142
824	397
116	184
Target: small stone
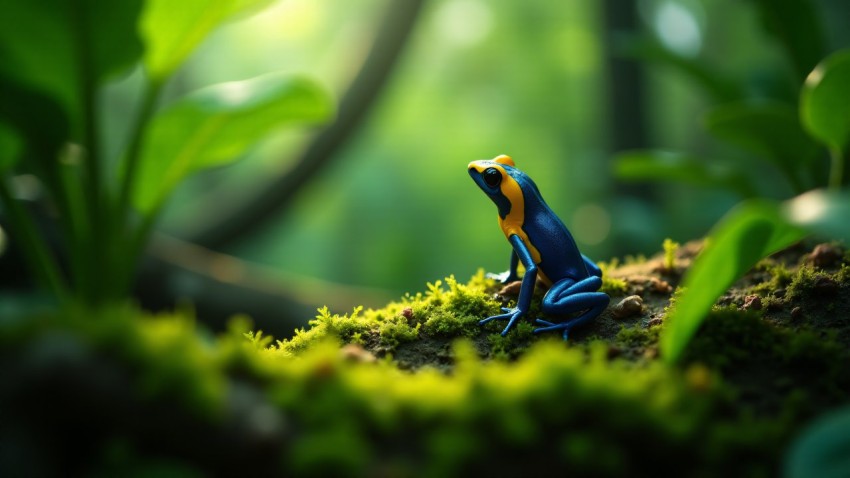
655	322
511	289
779	293
407	313
661	286
824	255
752	302
796	313
356	353
825	286
628	307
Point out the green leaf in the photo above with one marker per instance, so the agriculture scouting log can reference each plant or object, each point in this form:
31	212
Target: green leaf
822	212
823	449
52	46
10	147
770	130
172	30
37	118
747	234
825	101
681	168
645	48
797	27
216	125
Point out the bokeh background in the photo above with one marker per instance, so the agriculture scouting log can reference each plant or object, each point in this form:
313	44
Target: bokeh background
562	87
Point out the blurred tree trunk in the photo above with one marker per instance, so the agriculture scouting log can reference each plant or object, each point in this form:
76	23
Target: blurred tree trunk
625	80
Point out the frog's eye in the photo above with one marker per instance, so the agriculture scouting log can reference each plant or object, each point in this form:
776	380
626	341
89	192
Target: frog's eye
492	177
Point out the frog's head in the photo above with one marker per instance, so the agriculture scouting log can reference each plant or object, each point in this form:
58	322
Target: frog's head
493	176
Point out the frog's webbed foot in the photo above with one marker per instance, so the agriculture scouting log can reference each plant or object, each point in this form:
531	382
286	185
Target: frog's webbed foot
503	277
511	315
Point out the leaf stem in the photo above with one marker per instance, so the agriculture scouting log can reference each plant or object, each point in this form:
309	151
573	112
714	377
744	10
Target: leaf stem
134	149
836	170
32	244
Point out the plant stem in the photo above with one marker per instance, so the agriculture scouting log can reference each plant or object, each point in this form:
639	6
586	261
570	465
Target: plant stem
134	149
96	268
125	257
836	171
32	244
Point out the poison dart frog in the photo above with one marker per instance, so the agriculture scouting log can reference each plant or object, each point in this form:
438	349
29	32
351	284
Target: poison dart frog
545	247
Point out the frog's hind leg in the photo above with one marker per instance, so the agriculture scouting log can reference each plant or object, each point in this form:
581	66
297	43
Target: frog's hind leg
567	297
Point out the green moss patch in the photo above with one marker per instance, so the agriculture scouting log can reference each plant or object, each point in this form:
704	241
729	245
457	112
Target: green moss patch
418	388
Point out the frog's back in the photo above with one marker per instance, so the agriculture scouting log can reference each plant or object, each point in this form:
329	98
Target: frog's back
559	254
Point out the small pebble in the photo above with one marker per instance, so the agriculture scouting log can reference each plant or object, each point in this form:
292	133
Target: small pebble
511	289
779	293
752	302
796	313
824	255
628	307
356	353
661	286
654	322
407	313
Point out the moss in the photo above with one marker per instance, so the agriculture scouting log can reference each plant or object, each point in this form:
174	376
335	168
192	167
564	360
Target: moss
596	405
670	248
612	286
778	277
754	354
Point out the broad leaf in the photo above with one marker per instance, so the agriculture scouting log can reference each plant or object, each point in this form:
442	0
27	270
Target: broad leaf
824	213
53	46
771	130
36	118
795	23
825	101
823	449
747	234
216	125
650	50
172	30
680	168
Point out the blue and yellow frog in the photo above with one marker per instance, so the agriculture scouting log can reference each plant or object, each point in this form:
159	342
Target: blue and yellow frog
544	246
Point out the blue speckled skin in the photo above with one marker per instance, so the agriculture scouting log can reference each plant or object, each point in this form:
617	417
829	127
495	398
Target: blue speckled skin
574	279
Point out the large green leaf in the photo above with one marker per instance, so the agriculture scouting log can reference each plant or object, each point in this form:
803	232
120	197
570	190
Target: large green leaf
37	118
218	124
798	28
771	130
823	449
55	46
822	212
825	101
681	168
172	30
747	234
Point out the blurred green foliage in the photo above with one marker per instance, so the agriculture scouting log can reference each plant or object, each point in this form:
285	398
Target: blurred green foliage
58	57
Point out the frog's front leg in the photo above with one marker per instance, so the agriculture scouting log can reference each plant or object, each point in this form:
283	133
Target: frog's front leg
526	289
567	297
509	275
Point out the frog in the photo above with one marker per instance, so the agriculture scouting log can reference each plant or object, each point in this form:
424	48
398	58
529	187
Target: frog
545	247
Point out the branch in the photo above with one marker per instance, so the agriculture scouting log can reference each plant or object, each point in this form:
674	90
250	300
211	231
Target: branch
220	286
251	214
